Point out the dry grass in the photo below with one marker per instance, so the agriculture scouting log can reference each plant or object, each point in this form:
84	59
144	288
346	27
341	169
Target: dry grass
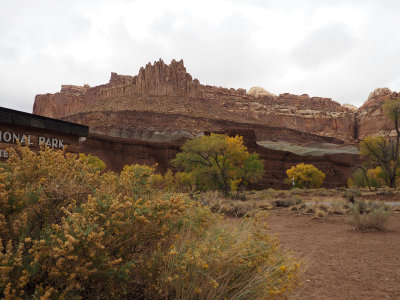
68	231
319	203
236	208
367	215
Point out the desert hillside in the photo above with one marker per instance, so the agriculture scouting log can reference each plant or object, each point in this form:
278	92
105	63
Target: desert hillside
163	104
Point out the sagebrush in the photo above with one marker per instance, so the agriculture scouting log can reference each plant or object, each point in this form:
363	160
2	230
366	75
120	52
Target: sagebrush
69	231
367	215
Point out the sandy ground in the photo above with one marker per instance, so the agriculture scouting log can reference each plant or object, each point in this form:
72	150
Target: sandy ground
341	263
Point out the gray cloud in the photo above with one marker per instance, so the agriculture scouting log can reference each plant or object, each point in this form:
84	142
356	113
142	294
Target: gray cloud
221	54
324	45
339	49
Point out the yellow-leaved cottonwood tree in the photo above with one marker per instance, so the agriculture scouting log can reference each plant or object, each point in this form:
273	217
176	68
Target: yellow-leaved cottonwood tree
305	176
383	150
219	162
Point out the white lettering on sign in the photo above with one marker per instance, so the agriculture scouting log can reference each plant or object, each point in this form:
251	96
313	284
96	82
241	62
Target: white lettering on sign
3	154
7	136
54	143
24	139
15	138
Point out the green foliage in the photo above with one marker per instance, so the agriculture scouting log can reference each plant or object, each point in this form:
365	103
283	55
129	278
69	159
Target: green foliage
93	161
157	181
305	176
169	181
136	181
352	194
383	151
185	182
287	202
392	108
219	162
69	232
358	179
375	178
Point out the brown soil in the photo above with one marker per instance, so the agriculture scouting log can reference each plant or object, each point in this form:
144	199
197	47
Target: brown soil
341	263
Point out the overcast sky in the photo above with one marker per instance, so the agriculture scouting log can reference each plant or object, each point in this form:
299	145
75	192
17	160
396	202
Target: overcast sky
329	48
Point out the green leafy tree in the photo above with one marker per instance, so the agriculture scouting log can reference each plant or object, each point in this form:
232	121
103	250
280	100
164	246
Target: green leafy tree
383	150
305	176
185	182
374	177
93	161
219	162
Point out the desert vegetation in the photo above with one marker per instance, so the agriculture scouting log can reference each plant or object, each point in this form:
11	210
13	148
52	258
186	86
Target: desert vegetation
219	162
367	215
70	231
316	203
382	152
305	176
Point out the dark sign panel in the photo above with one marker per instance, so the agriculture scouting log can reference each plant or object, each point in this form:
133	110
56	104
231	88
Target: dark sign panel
34	131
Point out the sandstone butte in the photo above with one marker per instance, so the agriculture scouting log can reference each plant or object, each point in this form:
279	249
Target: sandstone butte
163	105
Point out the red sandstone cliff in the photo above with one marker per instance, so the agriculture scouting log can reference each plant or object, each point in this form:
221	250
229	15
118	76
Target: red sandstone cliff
169	91
371	119
145	118
157	79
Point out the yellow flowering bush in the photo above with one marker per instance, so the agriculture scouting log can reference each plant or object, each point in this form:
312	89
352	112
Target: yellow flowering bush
69	231
221	263
305	176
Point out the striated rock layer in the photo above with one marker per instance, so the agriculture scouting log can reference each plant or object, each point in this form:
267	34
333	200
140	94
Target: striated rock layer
371	119
117	152
146	118
170	90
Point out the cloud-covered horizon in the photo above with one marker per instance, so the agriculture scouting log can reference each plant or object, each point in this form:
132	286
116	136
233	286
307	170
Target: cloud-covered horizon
337	49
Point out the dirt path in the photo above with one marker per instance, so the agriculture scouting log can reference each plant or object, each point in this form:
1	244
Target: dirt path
341	263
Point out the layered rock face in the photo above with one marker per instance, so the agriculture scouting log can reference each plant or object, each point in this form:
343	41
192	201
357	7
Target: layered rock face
171	91
117	152
371	119
146	118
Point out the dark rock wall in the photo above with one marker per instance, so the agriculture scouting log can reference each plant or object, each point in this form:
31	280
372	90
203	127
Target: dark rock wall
117	152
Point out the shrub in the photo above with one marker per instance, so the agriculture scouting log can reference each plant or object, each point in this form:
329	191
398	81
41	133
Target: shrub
169	181
209	269
233	207
136	181
297	191
185	182
96	163
375	178
385	192
213	199
34	189
352	194
322	192
320	213
366	215
70	232
157	181
219	162
286	202
305	176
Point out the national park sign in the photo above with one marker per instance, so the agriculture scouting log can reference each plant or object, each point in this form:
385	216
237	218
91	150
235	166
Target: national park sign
34	131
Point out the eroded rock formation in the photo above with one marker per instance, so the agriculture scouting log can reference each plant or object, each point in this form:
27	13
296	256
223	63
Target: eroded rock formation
371	119
169	90
156	110
258	91
117	152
